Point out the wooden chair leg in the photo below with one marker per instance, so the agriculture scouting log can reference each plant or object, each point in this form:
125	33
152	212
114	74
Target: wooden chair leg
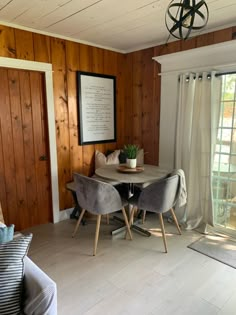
78	222
127	223
131	219
144	216
163	231
175	219
97	234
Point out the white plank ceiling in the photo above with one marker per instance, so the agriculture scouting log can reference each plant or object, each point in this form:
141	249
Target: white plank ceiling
120	25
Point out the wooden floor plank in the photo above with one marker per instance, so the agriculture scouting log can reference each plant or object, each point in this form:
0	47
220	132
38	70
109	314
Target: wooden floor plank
131	277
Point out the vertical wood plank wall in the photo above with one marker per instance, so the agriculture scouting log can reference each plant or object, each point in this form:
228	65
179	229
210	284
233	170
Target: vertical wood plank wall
138	92
67	57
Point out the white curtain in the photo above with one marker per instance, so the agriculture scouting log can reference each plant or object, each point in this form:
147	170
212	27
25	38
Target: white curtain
196	132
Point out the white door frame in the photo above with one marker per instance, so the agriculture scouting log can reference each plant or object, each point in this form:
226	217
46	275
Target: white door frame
218	57
46	68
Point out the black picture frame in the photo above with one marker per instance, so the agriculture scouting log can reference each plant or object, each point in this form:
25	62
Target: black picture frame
96	110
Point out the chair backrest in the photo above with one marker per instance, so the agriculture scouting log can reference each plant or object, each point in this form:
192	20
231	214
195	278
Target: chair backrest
160	196
95	196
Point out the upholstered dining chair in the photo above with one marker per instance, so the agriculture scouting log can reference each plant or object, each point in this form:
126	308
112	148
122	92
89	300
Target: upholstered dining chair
159	197
99	198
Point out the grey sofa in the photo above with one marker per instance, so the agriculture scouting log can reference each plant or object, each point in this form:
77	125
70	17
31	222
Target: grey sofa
40	291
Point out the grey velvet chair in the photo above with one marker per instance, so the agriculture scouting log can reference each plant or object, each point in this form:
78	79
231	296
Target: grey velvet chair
98	198
159	197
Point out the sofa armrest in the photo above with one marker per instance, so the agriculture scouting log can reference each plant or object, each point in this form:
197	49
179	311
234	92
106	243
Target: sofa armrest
40	291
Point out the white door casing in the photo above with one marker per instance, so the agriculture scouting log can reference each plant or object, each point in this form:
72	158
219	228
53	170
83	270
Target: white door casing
47	69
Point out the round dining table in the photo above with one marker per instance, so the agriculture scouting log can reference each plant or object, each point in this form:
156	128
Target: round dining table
140	175
144	174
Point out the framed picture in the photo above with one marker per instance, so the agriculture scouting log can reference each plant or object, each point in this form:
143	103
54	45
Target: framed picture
97	108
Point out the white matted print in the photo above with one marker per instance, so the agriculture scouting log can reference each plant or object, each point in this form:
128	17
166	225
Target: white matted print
97	107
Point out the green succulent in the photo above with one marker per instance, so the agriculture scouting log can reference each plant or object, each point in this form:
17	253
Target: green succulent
131	151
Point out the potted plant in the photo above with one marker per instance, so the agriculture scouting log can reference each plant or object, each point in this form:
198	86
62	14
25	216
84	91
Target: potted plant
131	151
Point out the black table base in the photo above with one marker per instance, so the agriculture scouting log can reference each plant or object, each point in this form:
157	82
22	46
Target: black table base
134	227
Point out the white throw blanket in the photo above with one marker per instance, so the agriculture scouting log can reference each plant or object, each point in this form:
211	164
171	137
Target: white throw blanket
182	198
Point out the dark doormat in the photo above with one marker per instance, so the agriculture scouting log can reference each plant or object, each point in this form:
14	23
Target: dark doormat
217	247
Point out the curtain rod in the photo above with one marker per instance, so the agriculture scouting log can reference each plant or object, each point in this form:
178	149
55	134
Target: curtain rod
216	74
224	73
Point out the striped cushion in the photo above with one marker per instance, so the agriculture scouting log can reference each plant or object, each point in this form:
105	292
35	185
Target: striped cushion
11	274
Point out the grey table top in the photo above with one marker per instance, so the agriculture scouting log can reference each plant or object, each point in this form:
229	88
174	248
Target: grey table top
149	174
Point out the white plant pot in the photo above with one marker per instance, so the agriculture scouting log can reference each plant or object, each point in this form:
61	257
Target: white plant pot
131	163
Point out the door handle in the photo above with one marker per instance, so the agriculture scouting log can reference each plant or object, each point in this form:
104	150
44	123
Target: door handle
43	158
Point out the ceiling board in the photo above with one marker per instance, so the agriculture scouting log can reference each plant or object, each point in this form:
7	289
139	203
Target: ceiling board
124	25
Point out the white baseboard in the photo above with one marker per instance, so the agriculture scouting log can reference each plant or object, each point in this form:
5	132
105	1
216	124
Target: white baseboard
65	214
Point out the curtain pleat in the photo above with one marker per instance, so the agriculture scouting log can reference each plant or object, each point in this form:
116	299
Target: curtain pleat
196	132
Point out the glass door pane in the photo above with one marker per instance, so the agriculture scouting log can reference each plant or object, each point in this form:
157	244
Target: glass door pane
224	169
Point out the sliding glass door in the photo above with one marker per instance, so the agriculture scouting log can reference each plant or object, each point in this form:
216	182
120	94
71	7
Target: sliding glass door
224	169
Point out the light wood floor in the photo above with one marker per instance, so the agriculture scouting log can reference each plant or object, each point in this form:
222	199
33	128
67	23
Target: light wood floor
132	277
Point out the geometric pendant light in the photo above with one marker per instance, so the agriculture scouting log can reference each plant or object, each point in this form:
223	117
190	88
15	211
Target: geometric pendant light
184	16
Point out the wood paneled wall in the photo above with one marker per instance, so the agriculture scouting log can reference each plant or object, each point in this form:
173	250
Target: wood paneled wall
68	57
143	88
138	92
